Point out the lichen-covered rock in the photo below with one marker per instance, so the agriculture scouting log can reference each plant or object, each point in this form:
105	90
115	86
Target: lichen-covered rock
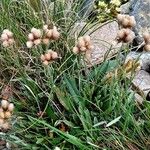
140	9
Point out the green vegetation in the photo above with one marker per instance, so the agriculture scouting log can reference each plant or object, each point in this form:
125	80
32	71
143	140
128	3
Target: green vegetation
81	110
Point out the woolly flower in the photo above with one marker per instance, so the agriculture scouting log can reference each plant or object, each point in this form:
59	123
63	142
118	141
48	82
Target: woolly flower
115	2
50	33
6	110
102	4
125	35
146	37
83	44
126	21
7	38
49	57
34	38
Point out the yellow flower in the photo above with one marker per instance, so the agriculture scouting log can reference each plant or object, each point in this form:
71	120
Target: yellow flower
102	4
115	2
118	9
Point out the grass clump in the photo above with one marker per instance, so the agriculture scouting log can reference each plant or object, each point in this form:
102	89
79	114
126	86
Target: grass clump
64	103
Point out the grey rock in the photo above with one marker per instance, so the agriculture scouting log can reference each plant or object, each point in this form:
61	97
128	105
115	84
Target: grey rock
140	9
125	8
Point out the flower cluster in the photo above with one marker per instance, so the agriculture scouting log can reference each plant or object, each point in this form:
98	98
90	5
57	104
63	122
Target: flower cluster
34	38
146	37
37	36
84	43
6	110
115	2
126	21
125	34
50	34
7	38
49	57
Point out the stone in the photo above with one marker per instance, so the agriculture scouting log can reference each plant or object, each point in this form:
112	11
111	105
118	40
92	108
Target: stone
140	9
141	83
104	42
125	8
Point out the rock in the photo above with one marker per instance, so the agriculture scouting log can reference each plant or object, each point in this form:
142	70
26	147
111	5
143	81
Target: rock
140	9
141	83
125	8
104	42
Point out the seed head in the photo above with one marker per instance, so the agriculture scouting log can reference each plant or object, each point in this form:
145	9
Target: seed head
45	63
29	44
147	47
75	50
54	55
11	107
4	37
7	114
30	37
2	116
4	104
48	56
46	41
